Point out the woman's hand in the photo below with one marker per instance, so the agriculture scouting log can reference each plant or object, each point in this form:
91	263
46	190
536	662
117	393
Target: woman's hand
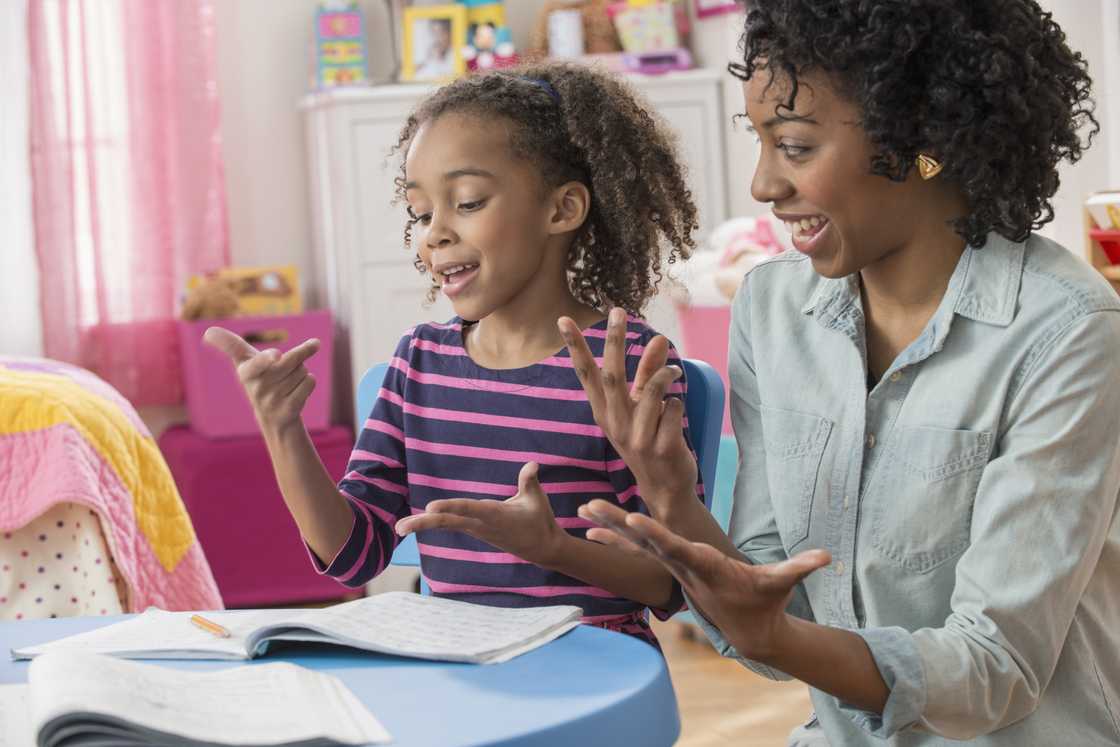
645	429
522	525
277	385
746	602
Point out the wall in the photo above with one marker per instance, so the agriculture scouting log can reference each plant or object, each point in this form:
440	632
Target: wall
19	276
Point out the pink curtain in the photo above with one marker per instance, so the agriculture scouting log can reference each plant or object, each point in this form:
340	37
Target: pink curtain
128	192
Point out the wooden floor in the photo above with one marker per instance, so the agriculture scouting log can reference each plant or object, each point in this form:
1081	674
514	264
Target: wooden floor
722	703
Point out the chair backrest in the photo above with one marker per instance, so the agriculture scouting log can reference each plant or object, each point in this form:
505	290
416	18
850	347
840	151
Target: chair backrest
703	406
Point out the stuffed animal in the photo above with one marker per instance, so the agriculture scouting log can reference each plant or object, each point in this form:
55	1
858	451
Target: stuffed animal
599	35
213	298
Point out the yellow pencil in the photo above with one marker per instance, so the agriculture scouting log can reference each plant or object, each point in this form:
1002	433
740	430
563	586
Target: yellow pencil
209	626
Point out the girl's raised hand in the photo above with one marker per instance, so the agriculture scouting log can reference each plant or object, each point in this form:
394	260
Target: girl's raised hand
277	385
523	525
746	602
643	426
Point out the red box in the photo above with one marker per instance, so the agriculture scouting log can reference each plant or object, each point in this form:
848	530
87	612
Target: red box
216	402
251	541
1109	241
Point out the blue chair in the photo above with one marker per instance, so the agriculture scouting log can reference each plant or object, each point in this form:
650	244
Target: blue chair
703	405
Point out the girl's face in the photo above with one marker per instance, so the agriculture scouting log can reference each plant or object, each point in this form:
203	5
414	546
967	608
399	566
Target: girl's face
482	216
815	170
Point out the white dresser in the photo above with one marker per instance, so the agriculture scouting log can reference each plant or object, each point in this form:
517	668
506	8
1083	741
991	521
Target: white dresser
362	271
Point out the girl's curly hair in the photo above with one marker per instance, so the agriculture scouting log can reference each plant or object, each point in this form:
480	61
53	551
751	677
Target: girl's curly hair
577	124
988	87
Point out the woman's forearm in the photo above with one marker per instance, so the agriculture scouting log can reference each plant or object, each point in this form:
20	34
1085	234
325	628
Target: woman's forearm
832	660
319	509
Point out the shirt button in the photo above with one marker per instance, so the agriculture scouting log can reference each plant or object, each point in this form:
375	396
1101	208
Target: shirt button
896	376
871	440
846	503
840	568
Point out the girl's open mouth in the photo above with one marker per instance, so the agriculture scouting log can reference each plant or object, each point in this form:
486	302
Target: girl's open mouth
455	279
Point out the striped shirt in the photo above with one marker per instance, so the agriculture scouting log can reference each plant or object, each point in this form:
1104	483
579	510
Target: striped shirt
445	427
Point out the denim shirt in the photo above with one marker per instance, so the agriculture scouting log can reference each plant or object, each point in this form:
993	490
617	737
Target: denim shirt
969	499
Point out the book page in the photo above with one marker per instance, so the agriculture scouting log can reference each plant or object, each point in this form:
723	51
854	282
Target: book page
154	633
250	705
15	722
428	627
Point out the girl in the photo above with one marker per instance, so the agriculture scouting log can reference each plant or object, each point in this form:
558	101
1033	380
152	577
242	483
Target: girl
531	194
926	523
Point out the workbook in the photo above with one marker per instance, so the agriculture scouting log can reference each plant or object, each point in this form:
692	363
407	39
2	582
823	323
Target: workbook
397	623
86	700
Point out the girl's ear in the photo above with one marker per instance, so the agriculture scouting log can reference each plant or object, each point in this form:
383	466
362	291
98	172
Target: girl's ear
570	205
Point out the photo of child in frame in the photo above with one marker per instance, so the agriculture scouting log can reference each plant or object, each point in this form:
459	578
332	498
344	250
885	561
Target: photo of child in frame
434	37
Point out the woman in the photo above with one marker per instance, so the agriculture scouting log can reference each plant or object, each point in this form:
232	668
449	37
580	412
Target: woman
925	393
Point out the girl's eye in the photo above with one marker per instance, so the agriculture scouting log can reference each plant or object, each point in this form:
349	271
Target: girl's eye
421	218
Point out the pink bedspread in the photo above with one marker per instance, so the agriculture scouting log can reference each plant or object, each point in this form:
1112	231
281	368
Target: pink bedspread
67	436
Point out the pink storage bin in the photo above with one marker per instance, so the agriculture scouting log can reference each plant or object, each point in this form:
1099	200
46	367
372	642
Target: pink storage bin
216	402
704	334
250	540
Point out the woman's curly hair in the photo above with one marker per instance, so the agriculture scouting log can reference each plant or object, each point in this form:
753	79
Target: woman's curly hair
577	124
988	87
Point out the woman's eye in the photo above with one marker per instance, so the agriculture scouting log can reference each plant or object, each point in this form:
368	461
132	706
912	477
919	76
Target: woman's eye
470	207
793	151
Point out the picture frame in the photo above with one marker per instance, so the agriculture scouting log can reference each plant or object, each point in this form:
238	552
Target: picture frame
434	37
705	8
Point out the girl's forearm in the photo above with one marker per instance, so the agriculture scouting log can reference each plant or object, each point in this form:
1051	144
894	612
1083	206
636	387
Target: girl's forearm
630	575
319	509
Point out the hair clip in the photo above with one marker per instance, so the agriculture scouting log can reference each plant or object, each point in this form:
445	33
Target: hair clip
545	86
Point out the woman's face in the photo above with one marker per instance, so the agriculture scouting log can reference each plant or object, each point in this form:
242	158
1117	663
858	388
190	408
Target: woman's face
815	171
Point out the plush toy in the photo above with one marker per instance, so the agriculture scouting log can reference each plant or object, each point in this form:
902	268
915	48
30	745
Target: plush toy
212	298
599	35
489	47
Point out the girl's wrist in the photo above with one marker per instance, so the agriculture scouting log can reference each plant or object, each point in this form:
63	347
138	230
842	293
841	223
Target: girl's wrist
554	551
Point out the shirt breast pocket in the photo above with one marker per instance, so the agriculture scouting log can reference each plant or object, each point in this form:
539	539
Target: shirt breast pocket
795	444
923	514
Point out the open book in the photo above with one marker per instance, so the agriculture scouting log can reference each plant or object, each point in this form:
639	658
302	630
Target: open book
398	623
85	700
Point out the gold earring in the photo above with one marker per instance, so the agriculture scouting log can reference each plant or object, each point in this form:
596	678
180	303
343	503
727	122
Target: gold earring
928	166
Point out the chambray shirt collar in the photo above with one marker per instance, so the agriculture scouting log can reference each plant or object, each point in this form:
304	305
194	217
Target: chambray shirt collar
984	287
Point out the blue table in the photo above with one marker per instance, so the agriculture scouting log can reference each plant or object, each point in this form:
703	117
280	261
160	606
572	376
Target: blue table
589	687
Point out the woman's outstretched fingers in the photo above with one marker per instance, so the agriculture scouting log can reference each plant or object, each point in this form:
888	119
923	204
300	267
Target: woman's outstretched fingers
787	574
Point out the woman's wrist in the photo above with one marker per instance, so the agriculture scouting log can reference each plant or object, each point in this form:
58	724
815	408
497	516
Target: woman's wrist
766	642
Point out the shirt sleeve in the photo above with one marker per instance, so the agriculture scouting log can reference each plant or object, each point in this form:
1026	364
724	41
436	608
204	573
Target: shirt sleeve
625	485
753	528
1043	511
376	482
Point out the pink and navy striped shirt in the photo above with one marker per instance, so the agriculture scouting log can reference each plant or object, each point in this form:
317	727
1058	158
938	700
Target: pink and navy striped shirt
444	427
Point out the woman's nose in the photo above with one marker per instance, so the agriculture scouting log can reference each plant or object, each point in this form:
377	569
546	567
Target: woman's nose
768	183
